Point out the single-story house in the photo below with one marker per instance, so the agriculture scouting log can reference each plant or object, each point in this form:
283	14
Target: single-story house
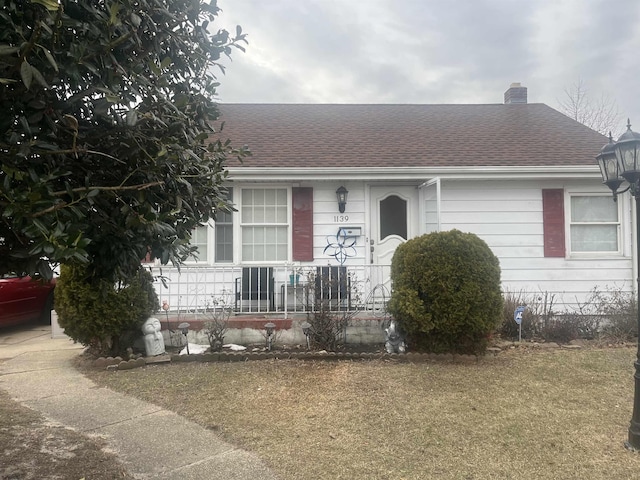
330	191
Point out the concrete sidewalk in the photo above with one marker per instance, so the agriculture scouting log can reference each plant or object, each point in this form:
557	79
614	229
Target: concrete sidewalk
152	443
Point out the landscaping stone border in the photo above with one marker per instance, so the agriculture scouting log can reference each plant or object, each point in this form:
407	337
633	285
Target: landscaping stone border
117	363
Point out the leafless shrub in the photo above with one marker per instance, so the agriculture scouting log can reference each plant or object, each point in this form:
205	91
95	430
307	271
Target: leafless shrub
618	310
217	313
609	314
329	309
531	320
562	329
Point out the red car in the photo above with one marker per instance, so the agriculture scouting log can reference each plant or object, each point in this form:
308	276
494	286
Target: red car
24	299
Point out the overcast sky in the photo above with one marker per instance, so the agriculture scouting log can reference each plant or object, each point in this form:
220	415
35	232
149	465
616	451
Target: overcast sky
433	51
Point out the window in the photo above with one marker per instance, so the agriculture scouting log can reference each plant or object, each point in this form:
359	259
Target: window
594	225
199	239
224	235
264	217
393	217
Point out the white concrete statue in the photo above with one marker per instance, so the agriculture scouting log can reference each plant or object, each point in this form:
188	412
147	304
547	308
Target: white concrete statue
153	341
394	342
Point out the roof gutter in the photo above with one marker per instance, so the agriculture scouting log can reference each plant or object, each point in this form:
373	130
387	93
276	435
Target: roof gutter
412	173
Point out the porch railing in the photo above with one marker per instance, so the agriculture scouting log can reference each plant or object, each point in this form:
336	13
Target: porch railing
263	289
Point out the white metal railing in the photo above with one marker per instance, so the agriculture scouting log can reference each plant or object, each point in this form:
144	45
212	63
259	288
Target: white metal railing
274	289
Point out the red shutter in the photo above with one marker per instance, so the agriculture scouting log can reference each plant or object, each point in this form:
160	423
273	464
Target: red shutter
302	237
553	220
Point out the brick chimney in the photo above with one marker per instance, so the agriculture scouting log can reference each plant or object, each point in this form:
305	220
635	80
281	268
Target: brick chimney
516	94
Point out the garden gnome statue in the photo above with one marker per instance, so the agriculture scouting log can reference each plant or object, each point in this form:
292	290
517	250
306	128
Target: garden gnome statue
153	341
394	342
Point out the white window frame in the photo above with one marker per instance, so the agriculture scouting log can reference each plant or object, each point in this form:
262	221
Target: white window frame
214	247
210	247
569	223
429	197
239	224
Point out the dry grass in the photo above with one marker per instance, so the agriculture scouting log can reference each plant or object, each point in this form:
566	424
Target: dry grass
526	415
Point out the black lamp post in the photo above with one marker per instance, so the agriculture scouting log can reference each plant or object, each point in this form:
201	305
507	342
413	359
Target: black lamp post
619	163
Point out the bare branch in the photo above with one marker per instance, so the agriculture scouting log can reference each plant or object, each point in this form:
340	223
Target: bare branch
141	186
599	114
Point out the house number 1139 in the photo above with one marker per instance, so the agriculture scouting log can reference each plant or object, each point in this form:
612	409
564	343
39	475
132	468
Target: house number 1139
341	218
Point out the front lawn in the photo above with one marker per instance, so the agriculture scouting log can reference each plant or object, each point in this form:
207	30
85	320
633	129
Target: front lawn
522	414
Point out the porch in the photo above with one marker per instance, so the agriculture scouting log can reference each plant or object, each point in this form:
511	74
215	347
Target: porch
247	297
274	291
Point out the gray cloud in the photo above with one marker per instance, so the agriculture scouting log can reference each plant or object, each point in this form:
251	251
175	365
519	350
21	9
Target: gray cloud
432	51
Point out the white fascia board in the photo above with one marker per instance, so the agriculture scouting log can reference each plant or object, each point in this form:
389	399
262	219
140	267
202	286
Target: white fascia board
412	173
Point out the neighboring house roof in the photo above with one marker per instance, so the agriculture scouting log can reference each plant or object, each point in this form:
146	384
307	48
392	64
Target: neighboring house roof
320	135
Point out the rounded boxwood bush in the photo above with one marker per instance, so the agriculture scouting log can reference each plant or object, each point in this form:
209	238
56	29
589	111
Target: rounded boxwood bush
101	315
446	292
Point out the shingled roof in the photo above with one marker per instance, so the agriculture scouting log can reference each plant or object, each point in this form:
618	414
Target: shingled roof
319	135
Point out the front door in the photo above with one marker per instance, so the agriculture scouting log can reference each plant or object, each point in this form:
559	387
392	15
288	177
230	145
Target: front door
394	220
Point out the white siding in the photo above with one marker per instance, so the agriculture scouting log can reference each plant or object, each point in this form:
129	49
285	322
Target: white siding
327	220
509	218
506	214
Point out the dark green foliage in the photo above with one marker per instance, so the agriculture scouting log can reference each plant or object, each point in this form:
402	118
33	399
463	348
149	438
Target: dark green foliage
446	292
99	314
107	150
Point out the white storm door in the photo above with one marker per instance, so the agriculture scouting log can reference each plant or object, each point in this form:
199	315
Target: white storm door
394	220
430	198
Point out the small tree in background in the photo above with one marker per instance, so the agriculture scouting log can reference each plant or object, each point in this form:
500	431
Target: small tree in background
100	314
446	292
600	114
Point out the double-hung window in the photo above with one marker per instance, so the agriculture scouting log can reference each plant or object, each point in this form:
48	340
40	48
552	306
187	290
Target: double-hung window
264	224
200	240
224	234
594	224
223	238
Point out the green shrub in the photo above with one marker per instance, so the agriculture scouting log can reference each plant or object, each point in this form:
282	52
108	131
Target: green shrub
446	292
101	315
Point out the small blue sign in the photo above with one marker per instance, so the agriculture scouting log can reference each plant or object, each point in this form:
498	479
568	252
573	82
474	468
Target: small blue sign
517	315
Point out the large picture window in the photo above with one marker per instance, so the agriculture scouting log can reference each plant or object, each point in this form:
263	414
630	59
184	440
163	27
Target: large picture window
594	225
264	225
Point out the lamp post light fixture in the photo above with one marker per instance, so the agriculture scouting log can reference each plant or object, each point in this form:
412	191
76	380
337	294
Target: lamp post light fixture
620	164
342	193
184	328
270	328
306	329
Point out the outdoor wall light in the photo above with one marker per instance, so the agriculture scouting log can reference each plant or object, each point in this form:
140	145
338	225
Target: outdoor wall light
342	193
619	164
270	328
184	328
306	329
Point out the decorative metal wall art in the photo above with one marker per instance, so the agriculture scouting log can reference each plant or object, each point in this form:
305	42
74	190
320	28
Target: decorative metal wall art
340	247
